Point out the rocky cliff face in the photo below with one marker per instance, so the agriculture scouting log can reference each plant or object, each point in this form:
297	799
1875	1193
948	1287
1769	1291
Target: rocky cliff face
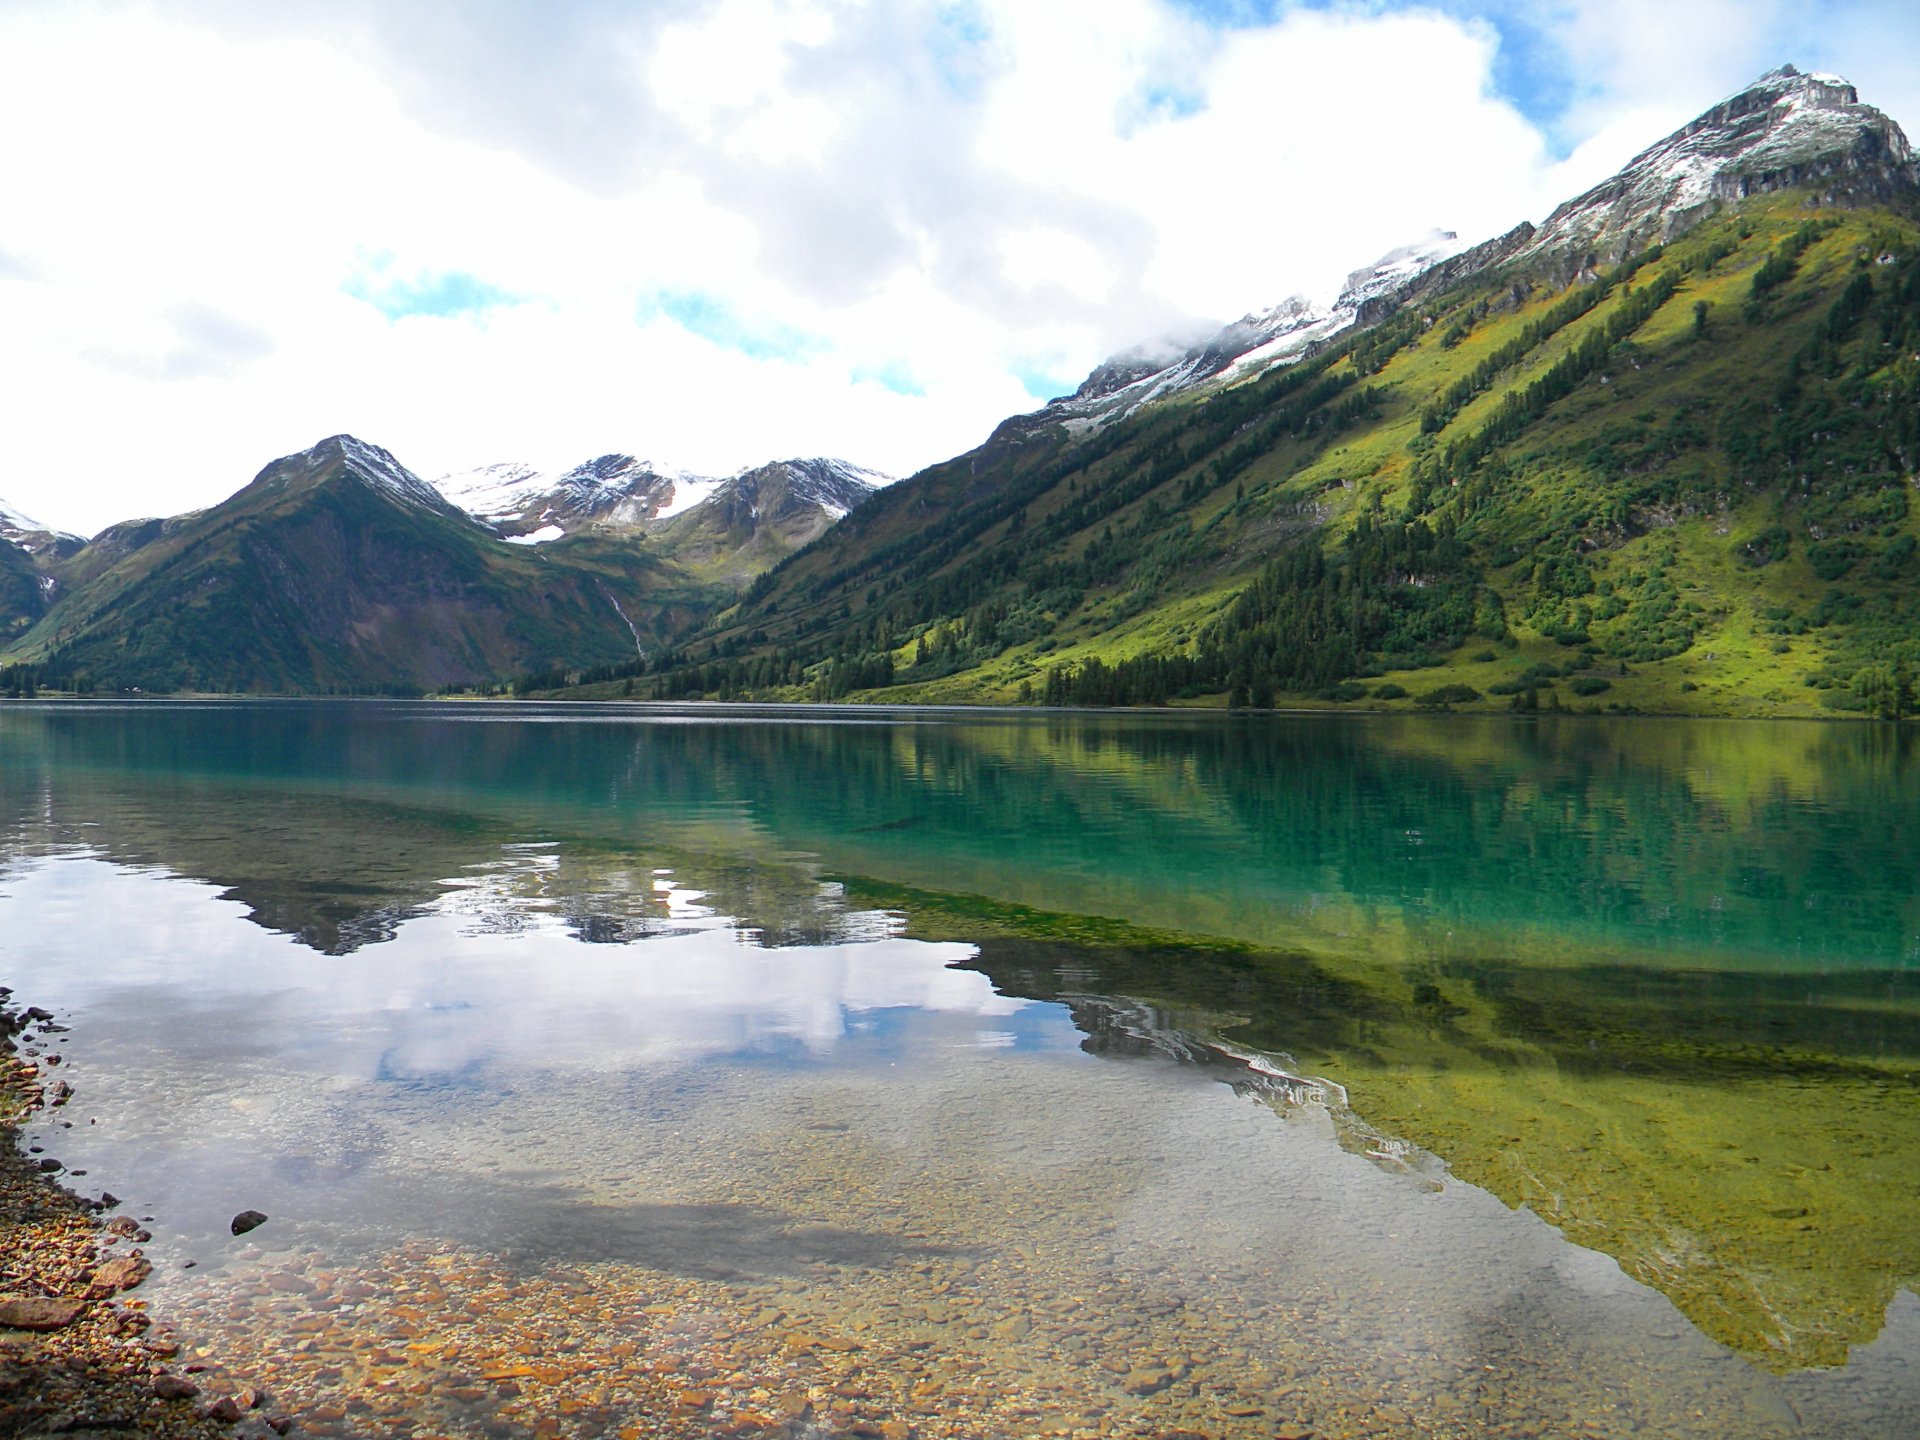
1784	130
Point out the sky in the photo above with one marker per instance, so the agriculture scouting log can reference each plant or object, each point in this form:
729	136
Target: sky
713	233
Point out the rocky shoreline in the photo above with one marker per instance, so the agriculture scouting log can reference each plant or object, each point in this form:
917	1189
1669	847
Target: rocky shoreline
79	1356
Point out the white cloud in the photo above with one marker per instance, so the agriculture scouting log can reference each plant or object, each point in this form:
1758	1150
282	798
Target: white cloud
233	224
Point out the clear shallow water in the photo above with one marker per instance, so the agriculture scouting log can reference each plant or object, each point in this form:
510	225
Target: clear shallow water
719	1071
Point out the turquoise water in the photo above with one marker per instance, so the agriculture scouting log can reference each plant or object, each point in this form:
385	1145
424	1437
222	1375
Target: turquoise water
1374	1077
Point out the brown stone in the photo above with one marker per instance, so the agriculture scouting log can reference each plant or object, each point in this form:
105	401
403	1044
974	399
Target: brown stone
32	1312
116	1275
174	1387
226	1410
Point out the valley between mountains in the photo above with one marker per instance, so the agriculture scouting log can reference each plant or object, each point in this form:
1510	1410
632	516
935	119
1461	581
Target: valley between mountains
1656	453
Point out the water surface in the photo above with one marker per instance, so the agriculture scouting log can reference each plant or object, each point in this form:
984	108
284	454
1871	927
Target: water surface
710	1071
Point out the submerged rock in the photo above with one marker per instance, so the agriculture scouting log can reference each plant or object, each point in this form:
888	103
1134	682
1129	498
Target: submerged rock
248	1220
32	1312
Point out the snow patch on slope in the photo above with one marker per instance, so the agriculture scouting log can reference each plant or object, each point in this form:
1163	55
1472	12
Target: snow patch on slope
494	491
688	491
28	534
12	519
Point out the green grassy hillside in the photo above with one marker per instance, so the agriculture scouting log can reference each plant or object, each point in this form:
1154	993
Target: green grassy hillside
1681	484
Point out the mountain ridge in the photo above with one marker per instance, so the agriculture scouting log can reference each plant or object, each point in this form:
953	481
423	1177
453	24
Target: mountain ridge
617	492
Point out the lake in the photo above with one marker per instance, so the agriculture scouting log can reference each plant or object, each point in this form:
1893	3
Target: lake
717	1071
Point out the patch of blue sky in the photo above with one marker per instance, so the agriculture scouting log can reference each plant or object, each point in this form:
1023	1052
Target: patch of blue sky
439	293
893	376
1235	14
1531	67
1158	103
714	320
1042	381
958	47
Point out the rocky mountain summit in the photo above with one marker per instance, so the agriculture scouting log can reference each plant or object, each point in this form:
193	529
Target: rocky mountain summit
345	459
611	492
1786	129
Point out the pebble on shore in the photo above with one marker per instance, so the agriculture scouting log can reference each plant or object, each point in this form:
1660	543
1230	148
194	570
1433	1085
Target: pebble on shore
73	1355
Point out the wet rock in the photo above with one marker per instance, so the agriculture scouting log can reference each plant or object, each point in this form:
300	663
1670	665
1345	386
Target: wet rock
174	1387
58	1093
226	1410
36	1313
116	1275
248	1220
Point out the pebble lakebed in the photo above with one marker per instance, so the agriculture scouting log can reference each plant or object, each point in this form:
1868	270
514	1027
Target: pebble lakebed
966	1309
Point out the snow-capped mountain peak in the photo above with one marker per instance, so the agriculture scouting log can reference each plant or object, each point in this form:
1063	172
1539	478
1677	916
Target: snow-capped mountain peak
528	504
22	530
616	492
12	519
1248	347
1785	129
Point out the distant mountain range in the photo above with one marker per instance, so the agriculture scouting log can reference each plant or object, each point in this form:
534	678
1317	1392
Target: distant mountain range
339	570
1657	452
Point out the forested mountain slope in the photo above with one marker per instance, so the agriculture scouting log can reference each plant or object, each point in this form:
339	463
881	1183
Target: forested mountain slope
1658	453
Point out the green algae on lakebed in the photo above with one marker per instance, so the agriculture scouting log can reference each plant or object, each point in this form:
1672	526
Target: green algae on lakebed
1742	1149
